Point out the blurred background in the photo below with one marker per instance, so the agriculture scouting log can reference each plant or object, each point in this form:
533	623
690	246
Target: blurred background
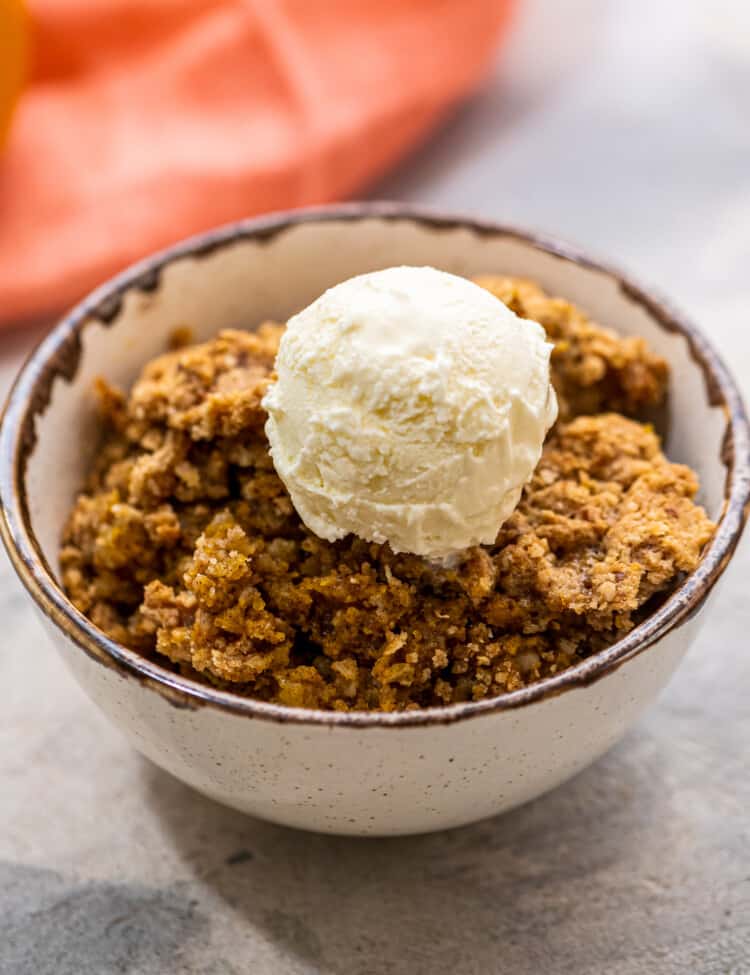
623	125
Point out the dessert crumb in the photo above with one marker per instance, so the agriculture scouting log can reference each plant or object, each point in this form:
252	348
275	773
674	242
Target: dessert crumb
180	337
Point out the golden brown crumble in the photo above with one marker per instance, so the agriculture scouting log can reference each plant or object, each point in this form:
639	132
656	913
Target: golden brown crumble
185	544
593	368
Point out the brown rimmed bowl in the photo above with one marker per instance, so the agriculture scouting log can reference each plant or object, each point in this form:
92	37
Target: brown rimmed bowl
361	773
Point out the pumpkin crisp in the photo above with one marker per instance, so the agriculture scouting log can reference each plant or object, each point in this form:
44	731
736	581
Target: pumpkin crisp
184	544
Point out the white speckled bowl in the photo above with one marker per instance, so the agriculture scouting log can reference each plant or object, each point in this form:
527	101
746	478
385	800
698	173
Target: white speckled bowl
363	773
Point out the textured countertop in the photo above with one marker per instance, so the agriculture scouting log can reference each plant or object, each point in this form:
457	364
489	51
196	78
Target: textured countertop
626	127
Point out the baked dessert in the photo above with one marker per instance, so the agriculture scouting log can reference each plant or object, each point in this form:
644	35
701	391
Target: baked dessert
184	544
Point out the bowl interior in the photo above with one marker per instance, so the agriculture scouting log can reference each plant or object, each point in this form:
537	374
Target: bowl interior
242	281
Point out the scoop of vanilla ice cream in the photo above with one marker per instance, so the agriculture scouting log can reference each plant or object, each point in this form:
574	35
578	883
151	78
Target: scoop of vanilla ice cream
411	406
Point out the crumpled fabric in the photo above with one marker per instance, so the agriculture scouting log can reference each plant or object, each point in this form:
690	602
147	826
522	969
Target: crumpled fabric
146	120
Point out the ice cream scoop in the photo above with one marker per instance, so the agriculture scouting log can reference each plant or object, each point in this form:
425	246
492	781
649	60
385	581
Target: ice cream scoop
410	407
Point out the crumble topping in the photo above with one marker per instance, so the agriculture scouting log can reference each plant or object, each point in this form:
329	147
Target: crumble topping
184	544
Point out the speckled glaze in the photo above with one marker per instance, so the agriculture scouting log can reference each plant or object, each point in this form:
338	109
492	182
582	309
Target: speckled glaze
360	773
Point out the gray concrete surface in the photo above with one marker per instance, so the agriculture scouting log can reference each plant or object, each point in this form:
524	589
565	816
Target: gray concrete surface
625	126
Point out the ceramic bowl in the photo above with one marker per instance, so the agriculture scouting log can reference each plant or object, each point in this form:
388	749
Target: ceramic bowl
364	773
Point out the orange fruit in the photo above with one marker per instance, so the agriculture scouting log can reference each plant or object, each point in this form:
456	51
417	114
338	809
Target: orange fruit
13	59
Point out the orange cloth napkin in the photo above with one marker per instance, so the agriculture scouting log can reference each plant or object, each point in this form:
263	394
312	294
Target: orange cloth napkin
146	120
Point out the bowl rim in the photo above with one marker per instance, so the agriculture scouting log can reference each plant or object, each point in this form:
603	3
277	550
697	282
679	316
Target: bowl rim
57	355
